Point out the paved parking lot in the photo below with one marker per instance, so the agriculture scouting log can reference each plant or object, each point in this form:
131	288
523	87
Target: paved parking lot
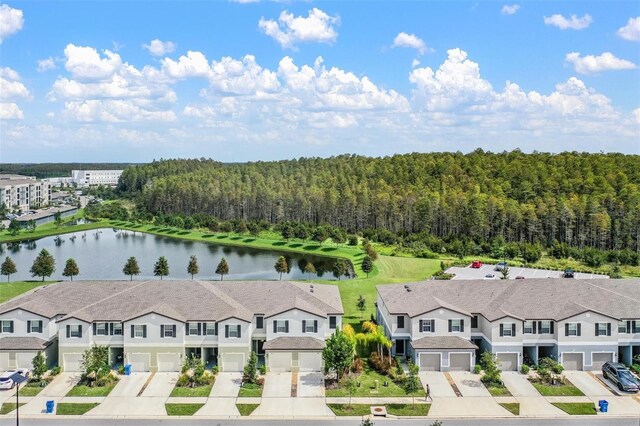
469	273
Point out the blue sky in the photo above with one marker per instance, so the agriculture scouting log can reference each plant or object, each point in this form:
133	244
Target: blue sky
235	81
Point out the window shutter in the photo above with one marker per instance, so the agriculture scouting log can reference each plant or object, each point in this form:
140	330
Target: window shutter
226	331
133	332
450	328
144	331
539	327
513	330
68	331
421	326
608	329
579	329
186	331
501	330
162	331
629	327
566	329
216	328
174	330
199	329
275	326
535	323
304	325
95	328
462	326
110	329
551	327
597	332
286	326
80	330
28	326
433	326
239	331
315	326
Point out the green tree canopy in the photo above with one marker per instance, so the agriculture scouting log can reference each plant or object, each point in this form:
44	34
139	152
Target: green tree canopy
193	267
338	353
44	265
310	269
8	267
223	268
70	269
161	267
281	266
367	265
131	267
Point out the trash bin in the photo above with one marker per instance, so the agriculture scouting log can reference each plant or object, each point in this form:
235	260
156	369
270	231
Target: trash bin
127	369
50	405
604	405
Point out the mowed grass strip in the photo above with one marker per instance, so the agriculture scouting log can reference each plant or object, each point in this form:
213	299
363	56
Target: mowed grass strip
8	407
198	391
566	389
74	408
250	390
408	409
367	379
182	409
350	410
498	390
30	389
246	409
512	407
577	408
82	390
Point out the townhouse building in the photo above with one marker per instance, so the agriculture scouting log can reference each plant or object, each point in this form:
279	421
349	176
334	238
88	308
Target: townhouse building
446	325
154	325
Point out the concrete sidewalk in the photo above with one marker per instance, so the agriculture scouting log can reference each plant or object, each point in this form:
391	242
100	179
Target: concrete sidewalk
227	385
61	385
518	384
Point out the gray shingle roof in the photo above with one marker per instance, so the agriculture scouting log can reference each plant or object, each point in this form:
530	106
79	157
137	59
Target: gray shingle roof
552	298
22	343
442	342
183	300
294	343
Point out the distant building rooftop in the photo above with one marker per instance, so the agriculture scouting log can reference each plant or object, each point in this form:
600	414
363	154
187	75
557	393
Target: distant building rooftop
45	213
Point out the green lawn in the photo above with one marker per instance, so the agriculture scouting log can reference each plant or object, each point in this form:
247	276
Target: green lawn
30	389
49	229
16	288
557	390
198	391
74	409
408	409
512	407
577	408
250	390
182	409
246	409
8	407
82	390
498	390
353	410
367	386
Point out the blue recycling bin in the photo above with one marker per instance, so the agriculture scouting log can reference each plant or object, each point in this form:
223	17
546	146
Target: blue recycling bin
50	405
127	370
604	405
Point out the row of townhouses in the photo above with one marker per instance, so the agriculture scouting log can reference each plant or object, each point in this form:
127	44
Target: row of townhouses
446	325
153	325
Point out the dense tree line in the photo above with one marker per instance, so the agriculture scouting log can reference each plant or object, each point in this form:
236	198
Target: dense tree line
47	170
581	199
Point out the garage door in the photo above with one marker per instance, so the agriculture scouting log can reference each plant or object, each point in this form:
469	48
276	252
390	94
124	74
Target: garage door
508	362
598	360
140	362
279	361
72	362
310	361
572	361
169	362
232	362
430	362
4	361
25	359
460	362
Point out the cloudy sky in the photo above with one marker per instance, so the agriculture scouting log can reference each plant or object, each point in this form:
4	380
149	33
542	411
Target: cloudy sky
263	80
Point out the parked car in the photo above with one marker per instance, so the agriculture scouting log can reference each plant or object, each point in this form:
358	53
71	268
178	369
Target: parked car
568	273
500	266
489	277
476	264
519	277
621	376
5	378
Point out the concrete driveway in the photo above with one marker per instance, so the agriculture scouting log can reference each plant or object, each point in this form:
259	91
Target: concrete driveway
588	384
518	384
311	385
161	385
277	385
61	385
6	394
219	407
227	385
131	407
476	407
538	406
438	384
286	407
130	385
469	384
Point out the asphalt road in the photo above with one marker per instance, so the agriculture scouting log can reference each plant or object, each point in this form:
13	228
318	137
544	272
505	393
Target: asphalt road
596	420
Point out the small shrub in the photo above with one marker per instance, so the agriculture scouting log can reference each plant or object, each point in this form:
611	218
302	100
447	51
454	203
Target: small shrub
358	365
477	369
263	369
381	364
524	369
215	369
56	370
183	380
121	370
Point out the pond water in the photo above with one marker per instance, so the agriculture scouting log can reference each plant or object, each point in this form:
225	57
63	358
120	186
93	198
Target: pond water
102	253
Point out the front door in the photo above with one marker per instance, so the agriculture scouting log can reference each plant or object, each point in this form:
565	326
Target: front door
399	347
257	346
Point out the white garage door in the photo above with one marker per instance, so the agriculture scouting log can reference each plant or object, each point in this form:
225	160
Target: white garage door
232	362
25	359
139	362
279	361
72	362
430	362
4	361
508	362
598	360
460	362
310	361
169	362
572	361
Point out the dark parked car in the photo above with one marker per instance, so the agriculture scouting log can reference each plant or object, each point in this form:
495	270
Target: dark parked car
621	376
568	273
500	266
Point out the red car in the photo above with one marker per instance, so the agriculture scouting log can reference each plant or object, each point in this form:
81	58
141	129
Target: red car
476	264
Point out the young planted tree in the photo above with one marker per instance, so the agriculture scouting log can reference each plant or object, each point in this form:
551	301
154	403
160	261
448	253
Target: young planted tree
250	373
70	269
31	226
223	268
281	266
367	265
412	383
193	268
8	267
361	304
351	386
491	369
338	353
14	227
131	268
95	363
57	217
161	268
44	265
504	273
39	366
308	269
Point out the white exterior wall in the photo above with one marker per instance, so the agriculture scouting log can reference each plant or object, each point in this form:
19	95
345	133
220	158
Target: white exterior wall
202	340
20	318
153	322
391	321
95	177
84	341
495	332
24	194
108	340
441	317
295	318
587	322
246	330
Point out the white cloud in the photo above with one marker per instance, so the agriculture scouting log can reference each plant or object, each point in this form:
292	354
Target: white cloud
290	30
409	40
86	63
160	48
46	64
636	115
11	21
10	111
573	23
245	77
631	31
510	9
194	64
113	111
10	85
593	64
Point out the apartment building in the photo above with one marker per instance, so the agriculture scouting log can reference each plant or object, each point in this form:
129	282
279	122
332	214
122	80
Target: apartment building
23	192
95	177
446	325
153	325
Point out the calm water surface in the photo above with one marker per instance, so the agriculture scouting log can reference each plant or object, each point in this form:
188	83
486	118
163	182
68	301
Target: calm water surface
102	253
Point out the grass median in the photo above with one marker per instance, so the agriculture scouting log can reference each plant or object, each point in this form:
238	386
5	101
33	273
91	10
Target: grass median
75	408
182	409
246	409
577	408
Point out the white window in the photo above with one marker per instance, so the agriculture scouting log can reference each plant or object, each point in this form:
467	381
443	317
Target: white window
168	330
456	325
211	329
572	329
426	326
74	331
7	326
622	327
507	328
138	331
101	329
281	326
528	327
193	328
117	329
545	327
308	326
233	331
36	326
602	329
